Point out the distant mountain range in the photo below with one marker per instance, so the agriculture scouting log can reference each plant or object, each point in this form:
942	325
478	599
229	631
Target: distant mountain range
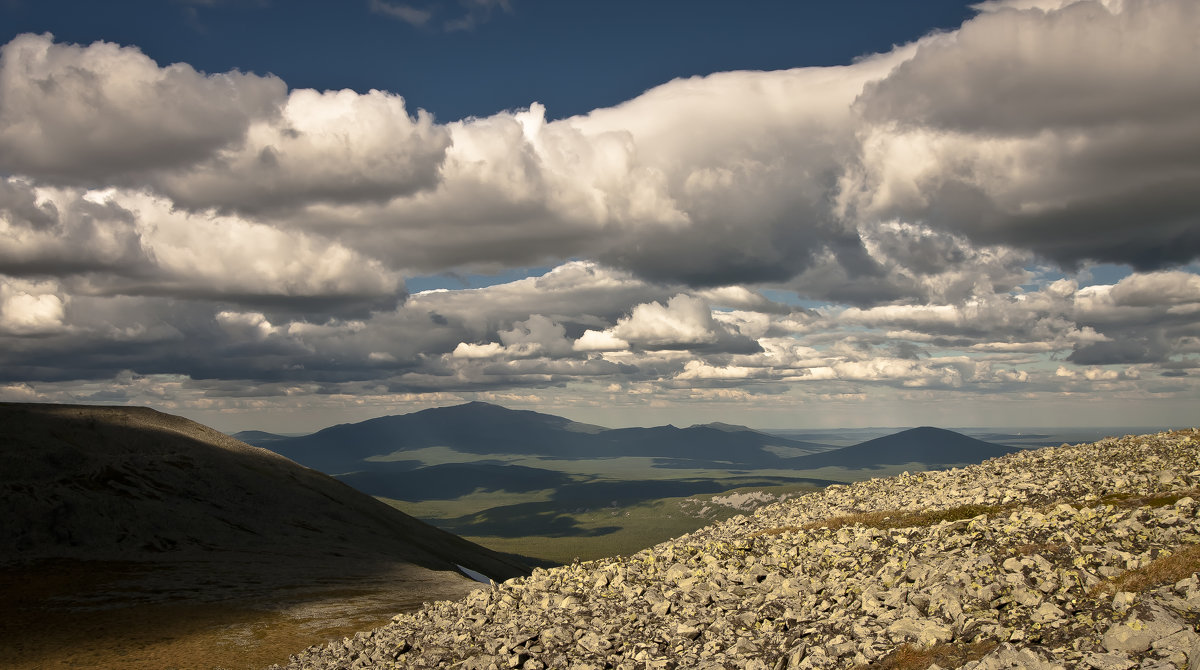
118	483
483	429
371	455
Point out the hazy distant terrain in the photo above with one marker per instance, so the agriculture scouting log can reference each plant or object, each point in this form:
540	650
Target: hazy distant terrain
555	489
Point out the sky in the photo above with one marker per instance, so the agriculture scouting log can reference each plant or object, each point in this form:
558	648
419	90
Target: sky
283	216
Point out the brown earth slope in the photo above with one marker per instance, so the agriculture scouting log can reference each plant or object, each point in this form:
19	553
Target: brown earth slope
133	538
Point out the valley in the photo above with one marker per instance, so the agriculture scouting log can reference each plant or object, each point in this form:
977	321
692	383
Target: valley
552	490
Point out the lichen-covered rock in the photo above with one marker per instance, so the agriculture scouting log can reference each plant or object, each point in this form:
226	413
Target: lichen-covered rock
1021	580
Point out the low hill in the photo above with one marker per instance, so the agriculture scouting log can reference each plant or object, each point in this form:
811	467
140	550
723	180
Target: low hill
932	447
140	540
132	483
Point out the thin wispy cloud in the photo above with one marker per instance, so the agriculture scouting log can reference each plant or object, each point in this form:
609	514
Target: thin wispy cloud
413	16
464	15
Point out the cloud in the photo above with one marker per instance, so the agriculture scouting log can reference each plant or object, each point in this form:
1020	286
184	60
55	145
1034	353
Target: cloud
476	12
536	335
413	16
30	308
19	206
677	345
684	322
117	242
489	350
595	340
90	115
900	176
466	16
1157	289
699	370
1097	374
321	147
1045	130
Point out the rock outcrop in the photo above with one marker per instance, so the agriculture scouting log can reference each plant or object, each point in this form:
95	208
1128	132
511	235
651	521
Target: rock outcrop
1076	556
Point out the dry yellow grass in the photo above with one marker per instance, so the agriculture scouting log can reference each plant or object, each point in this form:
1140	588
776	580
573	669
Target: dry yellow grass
886	519
45	623
947	655
1181	564
1155	500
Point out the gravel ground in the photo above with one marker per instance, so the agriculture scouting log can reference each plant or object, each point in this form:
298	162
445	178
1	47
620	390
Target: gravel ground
1016	562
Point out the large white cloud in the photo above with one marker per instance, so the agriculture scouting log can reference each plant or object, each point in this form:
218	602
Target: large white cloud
1070	132
30	308
1022	129
117	242
104	112
336	146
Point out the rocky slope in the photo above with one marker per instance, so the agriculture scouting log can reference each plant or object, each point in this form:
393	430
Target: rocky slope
1076	556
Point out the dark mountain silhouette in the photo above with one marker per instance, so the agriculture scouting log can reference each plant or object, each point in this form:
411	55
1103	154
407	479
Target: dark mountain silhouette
118	483
476	428
484	429
932	447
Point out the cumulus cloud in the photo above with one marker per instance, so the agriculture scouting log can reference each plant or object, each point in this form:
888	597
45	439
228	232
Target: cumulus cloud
92	114
537	335
116	242
30	308
684	322
595	340
1157	289
1048	130
332	146
885	175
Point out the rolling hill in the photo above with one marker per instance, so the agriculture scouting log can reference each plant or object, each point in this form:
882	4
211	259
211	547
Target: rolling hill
109	483
140	540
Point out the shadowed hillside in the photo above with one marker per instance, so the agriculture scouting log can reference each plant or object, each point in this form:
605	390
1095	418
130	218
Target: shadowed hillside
132	511
132	483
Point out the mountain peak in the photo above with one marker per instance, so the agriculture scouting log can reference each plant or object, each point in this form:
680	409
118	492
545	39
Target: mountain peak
928	445
723	427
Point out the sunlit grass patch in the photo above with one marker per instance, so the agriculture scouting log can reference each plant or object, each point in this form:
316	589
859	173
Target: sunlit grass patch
1128	500
947	655
888	519
1181	564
